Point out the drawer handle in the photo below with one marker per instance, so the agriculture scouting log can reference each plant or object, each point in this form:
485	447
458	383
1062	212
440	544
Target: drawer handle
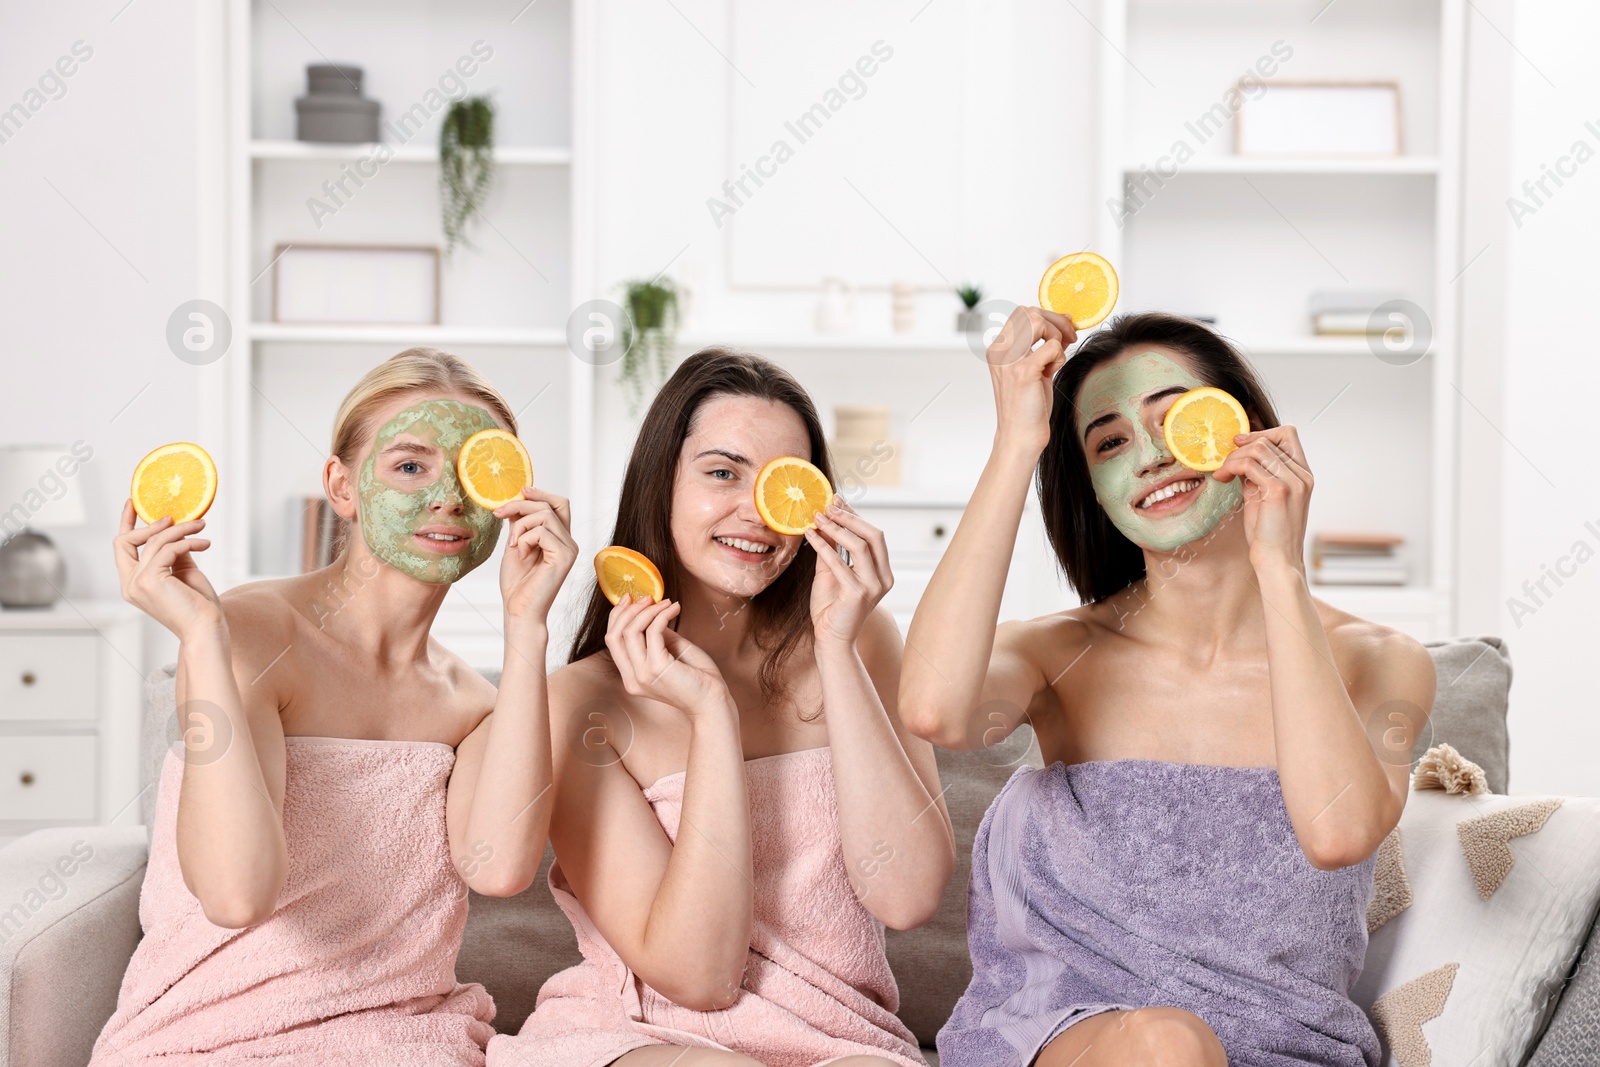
27	777
28	678
938	531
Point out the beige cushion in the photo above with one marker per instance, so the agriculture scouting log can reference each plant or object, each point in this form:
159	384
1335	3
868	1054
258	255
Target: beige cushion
1469	704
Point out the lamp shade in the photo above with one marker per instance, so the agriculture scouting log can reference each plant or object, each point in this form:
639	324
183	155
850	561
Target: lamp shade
40	487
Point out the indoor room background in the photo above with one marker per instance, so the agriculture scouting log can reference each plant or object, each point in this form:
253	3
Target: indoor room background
817	183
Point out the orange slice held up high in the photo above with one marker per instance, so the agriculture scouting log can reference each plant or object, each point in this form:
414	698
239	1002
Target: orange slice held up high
493	468
789	493
623	572
1082	286
1200	426
177	480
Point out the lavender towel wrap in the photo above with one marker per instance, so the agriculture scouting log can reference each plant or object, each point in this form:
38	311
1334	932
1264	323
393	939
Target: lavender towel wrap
1138	883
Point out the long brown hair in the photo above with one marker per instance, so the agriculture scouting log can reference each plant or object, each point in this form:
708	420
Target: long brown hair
780	613
1097	559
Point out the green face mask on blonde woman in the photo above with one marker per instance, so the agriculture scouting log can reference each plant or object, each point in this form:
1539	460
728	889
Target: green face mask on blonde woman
403	482
1124	451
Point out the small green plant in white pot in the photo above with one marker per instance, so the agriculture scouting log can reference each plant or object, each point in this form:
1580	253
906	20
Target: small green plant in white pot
968	319
650	336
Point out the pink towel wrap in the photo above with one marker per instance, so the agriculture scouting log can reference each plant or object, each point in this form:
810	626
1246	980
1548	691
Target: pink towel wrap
817	985
357	965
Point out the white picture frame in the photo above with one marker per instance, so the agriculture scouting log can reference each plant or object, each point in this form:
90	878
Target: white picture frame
1319	119
356	285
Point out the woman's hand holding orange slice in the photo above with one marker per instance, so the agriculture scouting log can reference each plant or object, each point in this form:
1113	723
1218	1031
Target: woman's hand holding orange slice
172	487
1082	286
1200	427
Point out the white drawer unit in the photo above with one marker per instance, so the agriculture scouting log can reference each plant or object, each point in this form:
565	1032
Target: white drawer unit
46	677
71	692
915	536
48	778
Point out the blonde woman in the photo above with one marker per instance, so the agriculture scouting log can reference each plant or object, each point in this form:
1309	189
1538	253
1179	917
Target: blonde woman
311	852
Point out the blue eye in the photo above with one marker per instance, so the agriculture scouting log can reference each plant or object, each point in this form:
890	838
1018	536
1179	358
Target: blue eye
411	466
720	471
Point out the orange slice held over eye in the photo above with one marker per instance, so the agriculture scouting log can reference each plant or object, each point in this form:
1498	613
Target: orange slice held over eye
789	493
623	572
1082	286
1200	425
493	468
177	480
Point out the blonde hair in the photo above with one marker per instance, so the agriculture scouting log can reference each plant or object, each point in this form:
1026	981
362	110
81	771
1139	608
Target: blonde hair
413	371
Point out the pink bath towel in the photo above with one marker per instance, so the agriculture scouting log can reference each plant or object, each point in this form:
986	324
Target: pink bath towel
357	965
817	985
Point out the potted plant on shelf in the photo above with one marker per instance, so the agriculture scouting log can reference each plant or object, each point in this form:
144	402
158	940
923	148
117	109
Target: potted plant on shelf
650	335
968	319
466	164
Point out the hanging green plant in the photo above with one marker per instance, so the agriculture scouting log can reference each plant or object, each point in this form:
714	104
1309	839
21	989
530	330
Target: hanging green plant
650	335
466	164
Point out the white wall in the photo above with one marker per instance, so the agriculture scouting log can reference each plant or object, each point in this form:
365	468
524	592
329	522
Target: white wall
1551	377
102	193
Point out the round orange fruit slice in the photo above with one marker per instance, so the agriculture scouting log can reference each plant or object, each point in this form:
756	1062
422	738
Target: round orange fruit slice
789	493
179	480
493	468
1082	287
1200	425
624	572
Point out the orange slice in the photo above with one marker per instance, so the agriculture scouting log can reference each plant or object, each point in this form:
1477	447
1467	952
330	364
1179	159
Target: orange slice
493	468
624	572
789	493
1200	425
179	480
1082	287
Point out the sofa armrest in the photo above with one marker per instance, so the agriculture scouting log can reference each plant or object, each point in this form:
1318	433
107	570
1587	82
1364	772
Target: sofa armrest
69	921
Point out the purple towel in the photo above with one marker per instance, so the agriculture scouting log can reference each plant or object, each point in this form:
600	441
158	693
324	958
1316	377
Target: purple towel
1136	883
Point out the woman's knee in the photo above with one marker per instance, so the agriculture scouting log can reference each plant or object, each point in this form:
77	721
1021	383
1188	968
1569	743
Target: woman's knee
1172	1037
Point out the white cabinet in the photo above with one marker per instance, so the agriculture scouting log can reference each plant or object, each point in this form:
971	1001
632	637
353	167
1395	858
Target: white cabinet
70	703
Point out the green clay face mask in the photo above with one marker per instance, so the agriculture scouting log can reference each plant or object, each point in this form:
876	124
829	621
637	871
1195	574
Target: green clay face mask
408	488
1128	455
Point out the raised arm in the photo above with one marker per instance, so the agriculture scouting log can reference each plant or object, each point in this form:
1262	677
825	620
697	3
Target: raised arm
500	789
230	840
953	669
680	915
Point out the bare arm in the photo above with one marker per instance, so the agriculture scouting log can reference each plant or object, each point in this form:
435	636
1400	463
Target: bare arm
952	667
898	845
679	914
500	789
1342	793
230	840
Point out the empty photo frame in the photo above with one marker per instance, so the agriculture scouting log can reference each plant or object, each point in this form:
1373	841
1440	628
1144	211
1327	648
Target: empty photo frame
1320	119
356	285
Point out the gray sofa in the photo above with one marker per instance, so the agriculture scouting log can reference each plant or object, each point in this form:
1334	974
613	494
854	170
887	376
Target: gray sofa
67	938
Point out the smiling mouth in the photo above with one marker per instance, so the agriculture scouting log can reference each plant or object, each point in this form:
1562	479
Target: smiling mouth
757	548
1168	491
441	541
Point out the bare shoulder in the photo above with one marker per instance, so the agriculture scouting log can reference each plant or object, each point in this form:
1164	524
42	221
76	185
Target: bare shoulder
582	682
1376	658
261	621
880	636
1045	640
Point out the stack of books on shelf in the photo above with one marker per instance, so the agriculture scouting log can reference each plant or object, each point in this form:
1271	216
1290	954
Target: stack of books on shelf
1357	559
1348	312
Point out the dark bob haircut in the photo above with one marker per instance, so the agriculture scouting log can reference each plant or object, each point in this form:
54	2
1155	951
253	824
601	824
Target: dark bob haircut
1096	558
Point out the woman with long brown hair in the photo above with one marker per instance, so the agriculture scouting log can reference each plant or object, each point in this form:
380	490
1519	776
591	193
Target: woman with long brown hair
1186	880
739	811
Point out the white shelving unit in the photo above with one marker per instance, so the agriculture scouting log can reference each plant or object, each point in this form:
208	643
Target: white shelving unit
505	295
1299	225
